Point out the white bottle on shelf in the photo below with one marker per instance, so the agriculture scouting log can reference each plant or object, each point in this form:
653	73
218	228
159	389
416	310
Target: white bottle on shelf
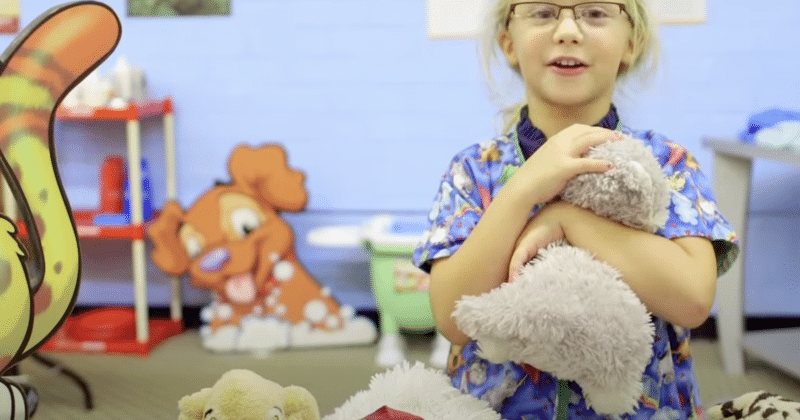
123	79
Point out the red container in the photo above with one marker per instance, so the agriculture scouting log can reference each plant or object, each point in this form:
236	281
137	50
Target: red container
112	185
103	324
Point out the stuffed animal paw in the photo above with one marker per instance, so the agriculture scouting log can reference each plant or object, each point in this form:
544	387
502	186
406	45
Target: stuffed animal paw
573	316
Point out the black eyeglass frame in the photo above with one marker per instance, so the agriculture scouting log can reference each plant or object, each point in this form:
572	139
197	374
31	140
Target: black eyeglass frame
622	9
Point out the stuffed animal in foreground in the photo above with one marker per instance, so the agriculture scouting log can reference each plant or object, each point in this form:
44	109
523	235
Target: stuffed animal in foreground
403	392
573	316
759	405
243	394
416	392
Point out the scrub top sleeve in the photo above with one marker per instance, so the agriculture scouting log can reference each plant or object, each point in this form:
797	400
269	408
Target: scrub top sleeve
693	209
456	210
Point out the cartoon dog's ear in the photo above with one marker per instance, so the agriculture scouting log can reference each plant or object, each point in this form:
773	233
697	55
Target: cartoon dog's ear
266	171
168	253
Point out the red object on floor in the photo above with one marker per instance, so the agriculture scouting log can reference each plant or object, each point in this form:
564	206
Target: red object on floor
103	325
386	413
109	330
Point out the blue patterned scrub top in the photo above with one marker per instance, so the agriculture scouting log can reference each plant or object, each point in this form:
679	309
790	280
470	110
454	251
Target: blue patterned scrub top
474	178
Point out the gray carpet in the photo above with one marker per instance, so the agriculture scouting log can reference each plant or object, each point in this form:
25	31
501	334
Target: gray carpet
132	387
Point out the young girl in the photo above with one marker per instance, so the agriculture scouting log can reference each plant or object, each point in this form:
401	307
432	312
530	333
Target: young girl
490	216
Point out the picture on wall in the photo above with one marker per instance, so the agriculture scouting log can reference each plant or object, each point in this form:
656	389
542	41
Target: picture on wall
9	16
167	8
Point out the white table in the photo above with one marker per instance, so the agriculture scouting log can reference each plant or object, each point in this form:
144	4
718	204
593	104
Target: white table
733	163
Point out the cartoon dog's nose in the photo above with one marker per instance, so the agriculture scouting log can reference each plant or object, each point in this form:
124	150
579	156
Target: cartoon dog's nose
214	260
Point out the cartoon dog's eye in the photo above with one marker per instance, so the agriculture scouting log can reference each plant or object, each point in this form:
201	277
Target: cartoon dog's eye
275	413
244	221
193	247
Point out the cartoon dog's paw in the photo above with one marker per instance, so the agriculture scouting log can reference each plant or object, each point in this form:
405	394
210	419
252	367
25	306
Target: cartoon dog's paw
356	330
224	339
264	334
215	312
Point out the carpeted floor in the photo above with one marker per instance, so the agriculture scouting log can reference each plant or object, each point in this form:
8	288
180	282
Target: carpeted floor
131	387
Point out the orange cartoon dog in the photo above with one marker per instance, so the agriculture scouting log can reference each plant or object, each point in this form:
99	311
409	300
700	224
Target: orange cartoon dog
233	241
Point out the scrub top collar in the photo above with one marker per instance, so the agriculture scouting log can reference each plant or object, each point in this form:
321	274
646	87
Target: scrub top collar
531	138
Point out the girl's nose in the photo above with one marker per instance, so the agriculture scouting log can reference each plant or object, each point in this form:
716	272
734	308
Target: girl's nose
567	29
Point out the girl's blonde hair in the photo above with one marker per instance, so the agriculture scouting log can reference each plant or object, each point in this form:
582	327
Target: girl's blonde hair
643	36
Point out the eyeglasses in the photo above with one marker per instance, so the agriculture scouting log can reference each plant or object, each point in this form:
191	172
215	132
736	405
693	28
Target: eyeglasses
539	14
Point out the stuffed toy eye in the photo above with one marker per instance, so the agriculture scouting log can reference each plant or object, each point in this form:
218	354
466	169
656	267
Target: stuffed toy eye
244	221
275	413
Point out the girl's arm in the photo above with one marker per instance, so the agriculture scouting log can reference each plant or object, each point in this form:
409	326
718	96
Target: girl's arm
675	279
481	263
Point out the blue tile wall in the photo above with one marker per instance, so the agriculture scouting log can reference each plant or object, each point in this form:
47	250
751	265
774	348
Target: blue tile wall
372	110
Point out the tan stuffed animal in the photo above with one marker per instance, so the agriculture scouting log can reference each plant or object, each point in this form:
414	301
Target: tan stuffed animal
402	392
241	394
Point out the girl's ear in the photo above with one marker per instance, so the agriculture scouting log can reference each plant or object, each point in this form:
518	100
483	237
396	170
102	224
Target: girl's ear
630	53
507	46
628	57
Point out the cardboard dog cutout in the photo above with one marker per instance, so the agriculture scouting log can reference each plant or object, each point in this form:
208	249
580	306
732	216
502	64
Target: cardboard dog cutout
39	280
233	241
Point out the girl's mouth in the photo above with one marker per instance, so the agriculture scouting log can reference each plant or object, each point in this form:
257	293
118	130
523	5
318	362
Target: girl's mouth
566	63
567	66
568	70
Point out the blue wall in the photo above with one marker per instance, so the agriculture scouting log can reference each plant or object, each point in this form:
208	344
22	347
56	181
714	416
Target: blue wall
372	110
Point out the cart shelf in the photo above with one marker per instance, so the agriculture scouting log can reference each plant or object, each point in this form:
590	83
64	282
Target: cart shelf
134	111
87	230
135	230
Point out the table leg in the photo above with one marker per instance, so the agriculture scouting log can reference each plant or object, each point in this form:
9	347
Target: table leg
140	291
732	179
176	305
138	258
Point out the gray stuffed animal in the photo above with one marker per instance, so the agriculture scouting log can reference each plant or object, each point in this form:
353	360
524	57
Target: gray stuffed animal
573	316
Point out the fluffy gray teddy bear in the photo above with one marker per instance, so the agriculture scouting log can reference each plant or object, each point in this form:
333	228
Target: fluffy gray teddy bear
573	316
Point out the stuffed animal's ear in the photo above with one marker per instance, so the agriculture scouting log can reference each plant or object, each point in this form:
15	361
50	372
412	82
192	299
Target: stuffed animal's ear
635	192
191	406
168	253
299	404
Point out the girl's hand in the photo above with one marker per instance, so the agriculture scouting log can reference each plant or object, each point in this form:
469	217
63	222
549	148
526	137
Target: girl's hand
548	170
540	231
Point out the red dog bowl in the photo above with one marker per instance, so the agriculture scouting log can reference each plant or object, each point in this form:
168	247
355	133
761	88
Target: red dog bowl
103	324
